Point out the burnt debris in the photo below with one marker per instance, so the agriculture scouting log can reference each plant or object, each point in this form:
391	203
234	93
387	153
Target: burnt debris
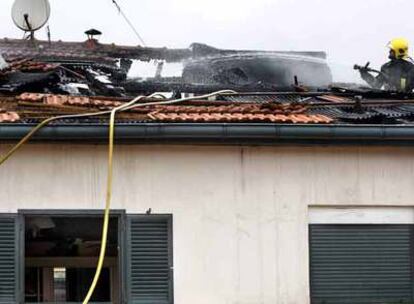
205	67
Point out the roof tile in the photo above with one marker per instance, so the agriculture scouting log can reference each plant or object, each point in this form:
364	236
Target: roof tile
8	116
31	97
37	106
332	98
233	117
28	65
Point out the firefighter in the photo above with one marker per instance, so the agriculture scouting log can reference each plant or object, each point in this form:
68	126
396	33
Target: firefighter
395	75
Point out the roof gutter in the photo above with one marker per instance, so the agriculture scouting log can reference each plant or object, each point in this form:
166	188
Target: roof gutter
227	134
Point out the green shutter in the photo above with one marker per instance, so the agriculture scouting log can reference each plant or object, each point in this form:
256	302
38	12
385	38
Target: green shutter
358	264
8	259
150	259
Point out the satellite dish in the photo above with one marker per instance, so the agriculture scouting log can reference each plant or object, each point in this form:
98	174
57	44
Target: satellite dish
30	15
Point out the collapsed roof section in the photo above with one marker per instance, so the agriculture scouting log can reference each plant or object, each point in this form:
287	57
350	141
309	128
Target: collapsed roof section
92	78
204	65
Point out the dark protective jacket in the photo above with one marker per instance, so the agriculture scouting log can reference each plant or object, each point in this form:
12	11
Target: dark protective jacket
396	75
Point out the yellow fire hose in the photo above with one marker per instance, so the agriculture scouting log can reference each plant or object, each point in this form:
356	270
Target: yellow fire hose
128	106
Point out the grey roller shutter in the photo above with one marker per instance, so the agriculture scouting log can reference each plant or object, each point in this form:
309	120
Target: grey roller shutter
8	259
361	264
150	259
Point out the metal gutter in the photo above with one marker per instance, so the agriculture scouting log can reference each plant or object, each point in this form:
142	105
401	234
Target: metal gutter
219	133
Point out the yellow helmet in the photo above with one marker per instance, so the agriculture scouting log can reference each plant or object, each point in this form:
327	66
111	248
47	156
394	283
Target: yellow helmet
400	47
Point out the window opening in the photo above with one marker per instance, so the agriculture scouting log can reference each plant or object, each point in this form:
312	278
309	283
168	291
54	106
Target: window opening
60	259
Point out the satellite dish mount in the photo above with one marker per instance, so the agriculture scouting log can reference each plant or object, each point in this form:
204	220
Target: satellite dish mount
31	31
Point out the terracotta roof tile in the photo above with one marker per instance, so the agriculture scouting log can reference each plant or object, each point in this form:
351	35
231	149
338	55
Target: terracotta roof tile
105	103
237	113
332	98
62	100
31	97
231	108
8	116
28	65
236	117
38	106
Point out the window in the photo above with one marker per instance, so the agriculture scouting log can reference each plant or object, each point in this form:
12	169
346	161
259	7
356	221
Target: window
61	253
356	263
52	258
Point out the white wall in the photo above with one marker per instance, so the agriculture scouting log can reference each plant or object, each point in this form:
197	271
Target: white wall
361	215
240	214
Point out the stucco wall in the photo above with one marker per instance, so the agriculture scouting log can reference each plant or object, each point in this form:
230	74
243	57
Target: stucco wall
240	214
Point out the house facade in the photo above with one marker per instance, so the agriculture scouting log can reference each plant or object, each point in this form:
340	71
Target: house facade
265	191
219	223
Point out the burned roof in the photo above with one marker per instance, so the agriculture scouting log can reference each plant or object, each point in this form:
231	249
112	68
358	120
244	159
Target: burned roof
80	78
34	90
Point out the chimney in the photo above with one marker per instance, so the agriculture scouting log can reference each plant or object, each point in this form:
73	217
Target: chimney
92	42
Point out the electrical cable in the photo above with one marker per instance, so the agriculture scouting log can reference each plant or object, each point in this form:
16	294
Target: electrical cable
127	106
120	11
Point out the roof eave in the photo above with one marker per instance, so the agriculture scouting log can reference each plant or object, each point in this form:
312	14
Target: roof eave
219	133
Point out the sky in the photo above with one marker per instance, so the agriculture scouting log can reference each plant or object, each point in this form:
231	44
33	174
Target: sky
350	31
